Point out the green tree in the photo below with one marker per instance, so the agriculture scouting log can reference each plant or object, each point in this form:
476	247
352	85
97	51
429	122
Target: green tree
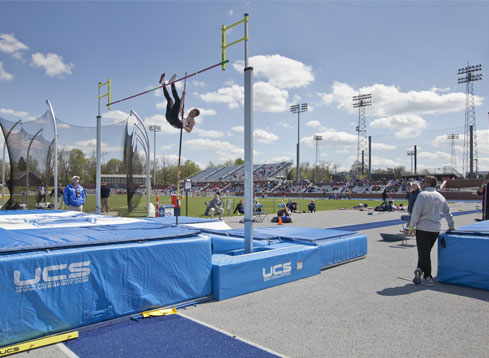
239	161
188	169
22	165
113	166
76	162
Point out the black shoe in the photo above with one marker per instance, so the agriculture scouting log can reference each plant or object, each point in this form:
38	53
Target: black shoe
417	276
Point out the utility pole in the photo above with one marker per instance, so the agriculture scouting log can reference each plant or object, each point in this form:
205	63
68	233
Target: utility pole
154	128
317	138
468	79
296	108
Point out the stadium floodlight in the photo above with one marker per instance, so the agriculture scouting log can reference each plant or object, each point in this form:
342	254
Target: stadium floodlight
154	128
361	101
298	108
470	153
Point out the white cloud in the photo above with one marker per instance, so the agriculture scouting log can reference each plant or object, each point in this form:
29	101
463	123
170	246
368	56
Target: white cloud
224	150
435	156
266	98
380	162
207	112
14	113
90	145
115	115
284	124
443	141
52	63
207	133
166	147
409	125
279	71
9	44
382	146
280	159
313	124
263	136
332	138
198	83
233	96
238	129
390	101
4	75
159	119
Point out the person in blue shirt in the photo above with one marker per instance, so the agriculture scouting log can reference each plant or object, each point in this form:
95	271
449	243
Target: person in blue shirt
74	195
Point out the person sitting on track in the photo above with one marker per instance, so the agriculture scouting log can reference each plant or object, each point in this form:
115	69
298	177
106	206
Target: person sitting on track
174	108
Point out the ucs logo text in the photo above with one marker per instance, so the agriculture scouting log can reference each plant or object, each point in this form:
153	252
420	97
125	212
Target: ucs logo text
76	270
277	271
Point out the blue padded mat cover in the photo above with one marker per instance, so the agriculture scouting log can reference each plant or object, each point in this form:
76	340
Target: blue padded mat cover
465	259
236	275
170	220
32	239
47	292
297	233
291	233
222	243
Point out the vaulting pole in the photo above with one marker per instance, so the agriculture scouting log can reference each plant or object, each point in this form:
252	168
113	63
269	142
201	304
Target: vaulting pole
182	108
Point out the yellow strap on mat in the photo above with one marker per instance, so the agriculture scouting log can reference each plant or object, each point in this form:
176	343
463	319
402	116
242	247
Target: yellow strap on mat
159	312
5	351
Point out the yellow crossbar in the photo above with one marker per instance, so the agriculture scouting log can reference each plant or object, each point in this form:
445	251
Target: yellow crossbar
5	351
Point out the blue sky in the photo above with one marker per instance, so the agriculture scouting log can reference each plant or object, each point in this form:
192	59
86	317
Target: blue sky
406	54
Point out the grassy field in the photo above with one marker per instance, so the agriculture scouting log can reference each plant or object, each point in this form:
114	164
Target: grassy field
196	205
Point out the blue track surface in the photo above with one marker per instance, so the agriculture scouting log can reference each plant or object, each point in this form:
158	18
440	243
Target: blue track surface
167	336
374	225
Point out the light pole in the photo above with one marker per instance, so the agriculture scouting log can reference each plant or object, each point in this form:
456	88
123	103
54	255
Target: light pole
154	128
411	154
3	161
298	108
317	138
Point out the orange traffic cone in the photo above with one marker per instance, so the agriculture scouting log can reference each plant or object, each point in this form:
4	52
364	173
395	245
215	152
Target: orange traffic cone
279	220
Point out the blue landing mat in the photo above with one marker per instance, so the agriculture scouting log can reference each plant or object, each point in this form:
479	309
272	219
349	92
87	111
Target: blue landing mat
374	225
168	336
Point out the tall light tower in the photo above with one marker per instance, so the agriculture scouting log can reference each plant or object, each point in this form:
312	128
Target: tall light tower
453	158
361	101
411	154
468	79
298	108
154	128
317	138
